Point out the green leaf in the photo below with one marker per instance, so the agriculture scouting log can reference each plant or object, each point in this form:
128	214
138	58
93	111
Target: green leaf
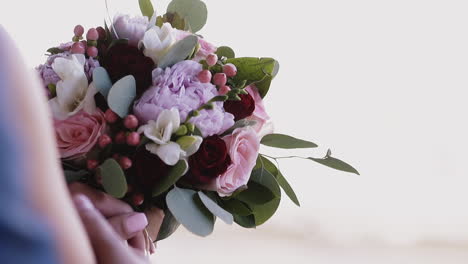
113	178
188	210
335	164
239	124
216	209
283	183
179	52
259	71
121	95
146	8
236	207
174	19
102	81
168	227
265	211
245	221
256	194
174	175
286	142
54	51
194	12
73	176
225	51
116	42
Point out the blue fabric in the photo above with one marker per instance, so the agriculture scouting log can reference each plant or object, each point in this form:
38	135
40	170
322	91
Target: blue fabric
24	237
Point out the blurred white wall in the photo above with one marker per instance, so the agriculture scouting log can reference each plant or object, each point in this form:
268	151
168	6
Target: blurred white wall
382	83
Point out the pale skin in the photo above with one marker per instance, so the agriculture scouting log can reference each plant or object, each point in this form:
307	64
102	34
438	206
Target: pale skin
85	234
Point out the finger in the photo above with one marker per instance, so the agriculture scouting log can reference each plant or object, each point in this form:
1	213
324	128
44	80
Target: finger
138	242
155	219
128	225
104	203
104	239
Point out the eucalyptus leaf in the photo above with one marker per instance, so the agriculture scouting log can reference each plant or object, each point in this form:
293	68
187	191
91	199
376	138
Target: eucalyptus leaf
216	209
179	52
113	178
239	124
265	211
102	81
258	71
236	207
168	226
121	95
245	221
73	176
146	8
283	183
173	176
174	19
188	210
256	194
335	164
194	12
286	142
225	51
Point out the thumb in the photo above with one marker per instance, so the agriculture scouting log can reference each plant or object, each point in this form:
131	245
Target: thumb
104	239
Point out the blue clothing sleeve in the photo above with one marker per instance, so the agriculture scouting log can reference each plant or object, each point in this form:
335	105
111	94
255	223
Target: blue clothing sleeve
24	237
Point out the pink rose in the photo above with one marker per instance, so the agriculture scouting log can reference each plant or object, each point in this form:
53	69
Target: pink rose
206	48
243	146
264	125
78	134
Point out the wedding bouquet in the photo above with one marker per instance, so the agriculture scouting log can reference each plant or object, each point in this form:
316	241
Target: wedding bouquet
152	113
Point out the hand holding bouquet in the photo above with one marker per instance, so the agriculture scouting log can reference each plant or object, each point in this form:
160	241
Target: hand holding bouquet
151	113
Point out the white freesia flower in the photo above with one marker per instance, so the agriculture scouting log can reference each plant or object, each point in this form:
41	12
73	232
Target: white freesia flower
73	92
158	40
160	133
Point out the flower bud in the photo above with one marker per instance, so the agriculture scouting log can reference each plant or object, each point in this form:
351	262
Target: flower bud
230	70
212	59
182	131
131	122
190	127
133	139
220	79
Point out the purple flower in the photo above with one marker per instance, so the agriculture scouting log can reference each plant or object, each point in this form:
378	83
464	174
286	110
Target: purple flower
179	87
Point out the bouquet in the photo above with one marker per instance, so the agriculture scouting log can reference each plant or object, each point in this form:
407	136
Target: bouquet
150	112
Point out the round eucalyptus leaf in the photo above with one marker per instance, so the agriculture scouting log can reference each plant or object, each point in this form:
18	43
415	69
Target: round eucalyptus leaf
216	209
102	81
121	95
113	178
194	12
225	51
188	210
179	52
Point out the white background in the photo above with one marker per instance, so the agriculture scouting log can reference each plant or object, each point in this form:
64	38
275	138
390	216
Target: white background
382	83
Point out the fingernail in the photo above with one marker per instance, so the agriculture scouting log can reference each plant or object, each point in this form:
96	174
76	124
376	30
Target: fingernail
82	202
136	223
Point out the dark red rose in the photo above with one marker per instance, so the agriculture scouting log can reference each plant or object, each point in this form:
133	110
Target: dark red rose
241	109
210	161
148	169
122	60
